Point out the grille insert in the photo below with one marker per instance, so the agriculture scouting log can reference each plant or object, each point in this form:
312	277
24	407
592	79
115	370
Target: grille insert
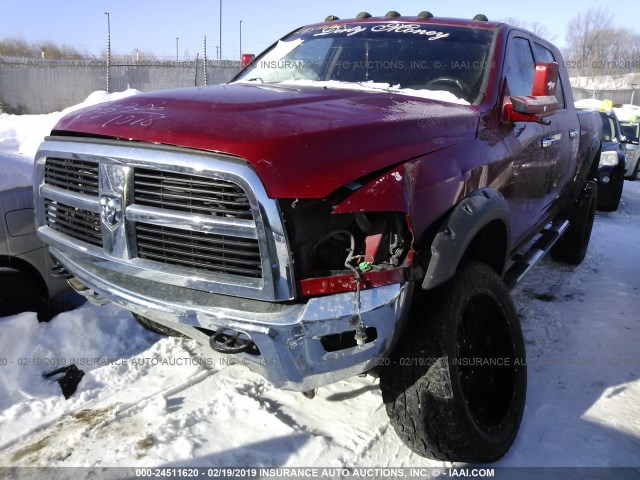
199	250
74	222
74	175
190	193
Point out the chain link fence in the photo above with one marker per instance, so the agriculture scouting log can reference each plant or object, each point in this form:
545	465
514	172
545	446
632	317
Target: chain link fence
34	86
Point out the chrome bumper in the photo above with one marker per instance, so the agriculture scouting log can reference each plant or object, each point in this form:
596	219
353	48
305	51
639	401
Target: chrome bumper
288	335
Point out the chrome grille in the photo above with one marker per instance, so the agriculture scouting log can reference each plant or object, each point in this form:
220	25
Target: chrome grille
190	193
199	250
190	219
74	175
80	224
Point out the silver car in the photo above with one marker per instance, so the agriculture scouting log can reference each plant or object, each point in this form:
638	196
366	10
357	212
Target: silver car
25	263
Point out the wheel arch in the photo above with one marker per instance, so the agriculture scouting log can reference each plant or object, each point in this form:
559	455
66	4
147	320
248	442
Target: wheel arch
478	228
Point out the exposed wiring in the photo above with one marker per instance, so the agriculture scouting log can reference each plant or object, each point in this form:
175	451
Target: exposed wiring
361	335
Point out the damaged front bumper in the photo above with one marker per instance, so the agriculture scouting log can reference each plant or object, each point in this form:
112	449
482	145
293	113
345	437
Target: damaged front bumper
299	346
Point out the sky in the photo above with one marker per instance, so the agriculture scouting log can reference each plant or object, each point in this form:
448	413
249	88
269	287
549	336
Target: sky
153	25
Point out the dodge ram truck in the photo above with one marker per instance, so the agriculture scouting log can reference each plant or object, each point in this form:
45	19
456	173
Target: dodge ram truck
360	198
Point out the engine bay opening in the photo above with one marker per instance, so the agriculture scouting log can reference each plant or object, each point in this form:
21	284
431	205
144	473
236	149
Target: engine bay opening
321	241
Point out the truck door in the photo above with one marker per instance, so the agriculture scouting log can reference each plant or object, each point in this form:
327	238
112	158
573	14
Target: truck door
525	192
561	141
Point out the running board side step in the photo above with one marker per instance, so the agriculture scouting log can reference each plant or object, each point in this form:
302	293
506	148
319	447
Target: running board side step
524	262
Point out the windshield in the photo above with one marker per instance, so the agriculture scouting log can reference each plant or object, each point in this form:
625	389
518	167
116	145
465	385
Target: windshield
630	130
406	58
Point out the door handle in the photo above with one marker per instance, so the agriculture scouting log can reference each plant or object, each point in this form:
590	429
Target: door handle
573	133
548	141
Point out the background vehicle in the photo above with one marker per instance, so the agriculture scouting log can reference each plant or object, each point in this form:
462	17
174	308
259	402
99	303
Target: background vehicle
360	198
629	118
611	169
25	263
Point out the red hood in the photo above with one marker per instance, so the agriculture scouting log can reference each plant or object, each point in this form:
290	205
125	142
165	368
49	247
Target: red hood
304	142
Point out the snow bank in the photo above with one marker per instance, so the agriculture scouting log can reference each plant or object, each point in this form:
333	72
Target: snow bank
21	135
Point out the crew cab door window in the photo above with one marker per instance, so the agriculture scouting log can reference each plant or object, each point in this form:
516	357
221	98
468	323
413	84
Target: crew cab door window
520	67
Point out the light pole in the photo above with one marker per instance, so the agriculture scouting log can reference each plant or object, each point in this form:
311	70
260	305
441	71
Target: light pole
220	29
177	40
108	49
633	91
240	38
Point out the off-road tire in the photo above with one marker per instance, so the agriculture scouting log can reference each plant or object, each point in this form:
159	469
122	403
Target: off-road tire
440	407
572	246
156	327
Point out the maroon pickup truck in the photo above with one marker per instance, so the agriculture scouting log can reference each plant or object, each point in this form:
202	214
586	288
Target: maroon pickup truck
360	198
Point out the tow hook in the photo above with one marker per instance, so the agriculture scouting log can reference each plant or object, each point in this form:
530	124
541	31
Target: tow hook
361	335
228	341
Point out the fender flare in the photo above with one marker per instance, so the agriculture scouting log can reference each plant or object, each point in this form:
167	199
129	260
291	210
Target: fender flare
462	225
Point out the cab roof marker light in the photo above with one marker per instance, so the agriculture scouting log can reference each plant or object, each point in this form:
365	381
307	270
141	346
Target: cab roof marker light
392	14
481	18
425	15
331	18
362	15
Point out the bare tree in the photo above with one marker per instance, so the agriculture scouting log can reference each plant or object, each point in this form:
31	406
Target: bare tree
597	47
587	34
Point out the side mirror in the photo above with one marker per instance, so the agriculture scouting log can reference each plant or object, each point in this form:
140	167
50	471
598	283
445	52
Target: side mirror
545	80
542	101
246	59
632	140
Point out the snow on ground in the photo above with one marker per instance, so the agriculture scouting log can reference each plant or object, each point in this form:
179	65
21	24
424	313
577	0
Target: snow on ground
148	400
21	135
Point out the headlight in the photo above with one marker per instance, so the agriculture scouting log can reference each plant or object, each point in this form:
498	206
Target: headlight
608	159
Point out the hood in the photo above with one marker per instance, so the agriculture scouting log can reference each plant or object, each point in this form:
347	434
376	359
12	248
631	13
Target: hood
304	142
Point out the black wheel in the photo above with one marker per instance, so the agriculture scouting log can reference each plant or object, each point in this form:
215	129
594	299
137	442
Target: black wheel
156	327
572	246
455	385
20	293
